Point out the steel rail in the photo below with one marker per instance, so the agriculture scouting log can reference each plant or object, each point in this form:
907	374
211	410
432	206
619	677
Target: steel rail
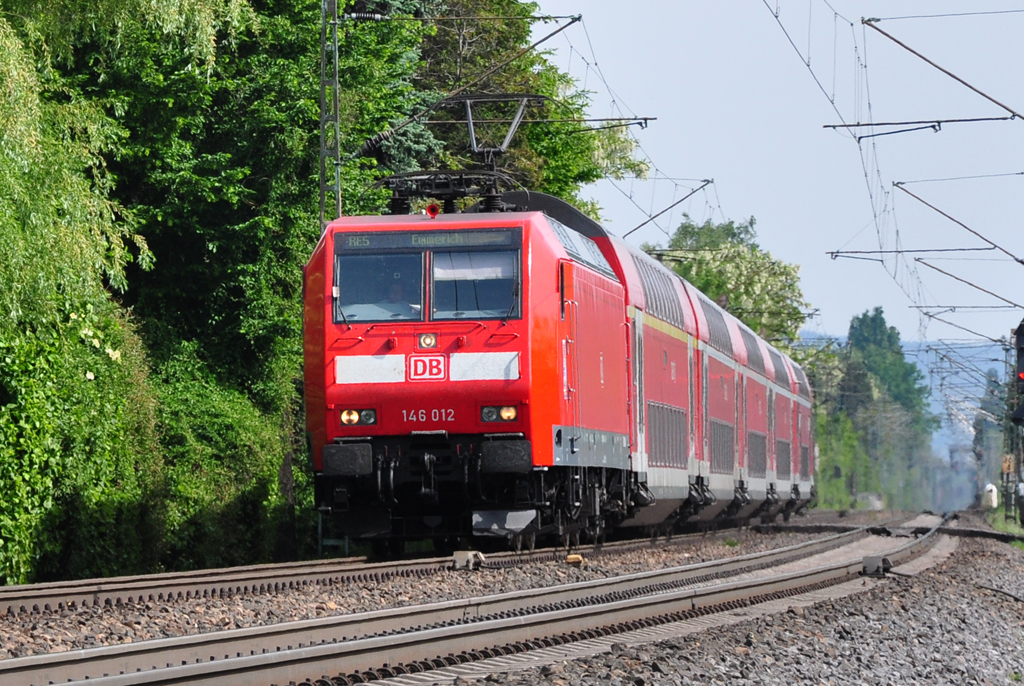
205	583
957	531
225	650
267	578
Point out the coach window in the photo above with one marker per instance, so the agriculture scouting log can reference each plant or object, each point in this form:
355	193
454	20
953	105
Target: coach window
475	285
378	288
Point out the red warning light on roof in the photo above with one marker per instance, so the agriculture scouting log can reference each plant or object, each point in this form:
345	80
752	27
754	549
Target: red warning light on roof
432	211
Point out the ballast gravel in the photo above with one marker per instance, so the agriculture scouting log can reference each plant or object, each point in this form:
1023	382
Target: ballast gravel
31	634
943	626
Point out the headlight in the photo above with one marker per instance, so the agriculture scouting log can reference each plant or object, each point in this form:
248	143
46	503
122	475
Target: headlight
506	413
354	417
428	340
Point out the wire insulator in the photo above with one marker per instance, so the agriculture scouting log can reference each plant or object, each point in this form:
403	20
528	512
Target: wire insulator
364	16
491	201
400	204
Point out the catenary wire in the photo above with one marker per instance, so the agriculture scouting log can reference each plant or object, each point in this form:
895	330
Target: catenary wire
962	178
951	14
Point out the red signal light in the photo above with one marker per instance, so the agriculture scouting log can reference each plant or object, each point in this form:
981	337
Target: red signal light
1021	376
433	210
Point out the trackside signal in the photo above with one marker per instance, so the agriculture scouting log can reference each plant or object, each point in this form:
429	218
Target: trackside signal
1018	339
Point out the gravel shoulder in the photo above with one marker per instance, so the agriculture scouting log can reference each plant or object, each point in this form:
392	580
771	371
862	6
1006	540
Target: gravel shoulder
942	626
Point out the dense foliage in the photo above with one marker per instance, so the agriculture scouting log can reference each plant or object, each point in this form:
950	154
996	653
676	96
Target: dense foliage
77	410
158	183
874	428
554	157
725	262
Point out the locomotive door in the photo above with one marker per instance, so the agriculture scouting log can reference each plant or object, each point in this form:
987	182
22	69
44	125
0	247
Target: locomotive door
570	354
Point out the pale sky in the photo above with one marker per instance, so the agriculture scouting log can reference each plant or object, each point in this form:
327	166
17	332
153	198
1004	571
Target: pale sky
736	103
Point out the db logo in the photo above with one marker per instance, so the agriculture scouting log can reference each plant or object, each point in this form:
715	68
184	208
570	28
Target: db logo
427	368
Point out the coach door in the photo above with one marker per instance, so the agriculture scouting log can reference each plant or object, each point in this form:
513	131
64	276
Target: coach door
639	402
770	456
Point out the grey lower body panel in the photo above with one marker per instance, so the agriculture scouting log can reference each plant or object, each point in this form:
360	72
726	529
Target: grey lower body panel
503	522
579	447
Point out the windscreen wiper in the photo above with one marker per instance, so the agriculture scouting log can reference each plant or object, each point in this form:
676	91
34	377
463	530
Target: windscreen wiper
341	310
515	297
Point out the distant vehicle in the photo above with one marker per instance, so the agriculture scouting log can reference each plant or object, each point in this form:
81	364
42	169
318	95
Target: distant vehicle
514	370
990	497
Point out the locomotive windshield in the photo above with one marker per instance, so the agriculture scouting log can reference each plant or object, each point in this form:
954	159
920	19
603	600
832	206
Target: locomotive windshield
471	275
474	285
378	287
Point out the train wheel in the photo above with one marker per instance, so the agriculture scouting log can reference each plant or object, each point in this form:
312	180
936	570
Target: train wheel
595	530
531	541
574	539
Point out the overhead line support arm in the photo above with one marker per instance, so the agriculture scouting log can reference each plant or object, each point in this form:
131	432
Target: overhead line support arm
870	23
961	224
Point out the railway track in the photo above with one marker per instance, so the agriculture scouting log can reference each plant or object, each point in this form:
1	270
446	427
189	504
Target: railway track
273	578
206	583
404	640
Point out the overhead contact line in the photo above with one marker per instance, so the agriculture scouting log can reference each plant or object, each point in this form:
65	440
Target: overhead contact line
835	254
963	328
650	219
962	225
871	23
928	124
965	281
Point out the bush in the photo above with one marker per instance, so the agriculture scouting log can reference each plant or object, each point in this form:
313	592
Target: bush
78	451
222	463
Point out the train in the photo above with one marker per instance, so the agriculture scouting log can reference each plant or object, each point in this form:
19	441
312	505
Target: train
514	371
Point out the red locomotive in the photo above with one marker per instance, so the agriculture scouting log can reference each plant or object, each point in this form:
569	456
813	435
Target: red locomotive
520	372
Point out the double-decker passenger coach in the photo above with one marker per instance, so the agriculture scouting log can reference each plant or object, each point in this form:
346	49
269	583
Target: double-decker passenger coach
521	372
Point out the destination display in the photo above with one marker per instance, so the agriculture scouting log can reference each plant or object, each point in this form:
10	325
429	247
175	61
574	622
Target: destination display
421	240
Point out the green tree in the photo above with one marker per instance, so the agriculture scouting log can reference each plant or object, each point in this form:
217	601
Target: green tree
79	460
711	236
219	167
553	157
878	346
882	395
726	263
844	468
